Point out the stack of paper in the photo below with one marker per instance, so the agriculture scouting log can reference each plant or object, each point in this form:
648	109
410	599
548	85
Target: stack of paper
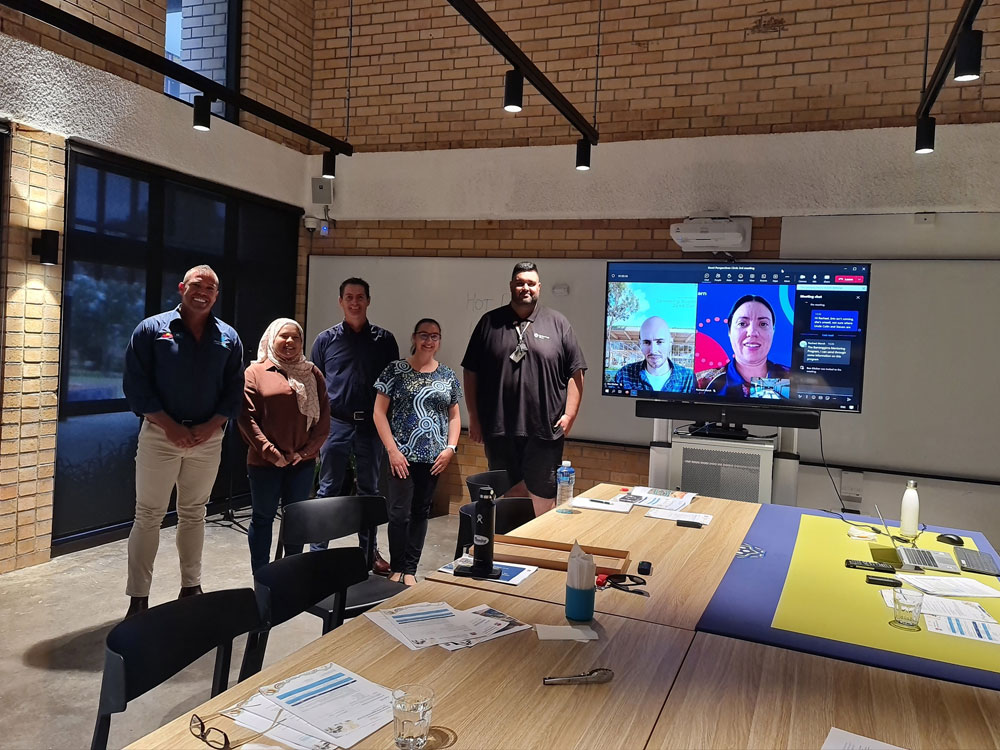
511	573
322	709
512	626
949	586
679	515
587	503
418	626
651	497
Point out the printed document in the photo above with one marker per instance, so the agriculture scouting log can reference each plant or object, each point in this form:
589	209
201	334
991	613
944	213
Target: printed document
418	626
949	586
258	714
510	573
341	704
936	605
513	625
679	515
838	739
977	631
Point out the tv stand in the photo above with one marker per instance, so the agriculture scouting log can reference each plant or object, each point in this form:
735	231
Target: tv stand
722	430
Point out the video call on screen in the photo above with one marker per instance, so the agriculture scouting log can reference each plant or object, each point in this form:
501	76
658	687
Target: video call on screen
789	334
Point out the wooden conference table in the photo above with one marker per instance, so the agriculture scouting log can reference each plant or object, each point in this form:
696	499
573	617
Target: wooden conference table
490	695
728	693
688	564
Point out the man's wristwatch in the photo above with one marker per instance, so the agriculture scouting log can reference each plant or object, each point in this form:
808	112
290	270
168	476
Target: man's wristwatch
454	448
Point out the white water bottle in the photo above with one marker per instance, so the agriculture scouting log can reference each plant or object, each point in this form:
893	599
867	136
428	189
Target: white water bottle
909	511
565	479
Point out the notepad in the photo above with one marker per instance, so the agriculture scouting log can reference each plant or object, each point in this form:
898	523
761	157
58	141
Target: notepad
565	633
613	506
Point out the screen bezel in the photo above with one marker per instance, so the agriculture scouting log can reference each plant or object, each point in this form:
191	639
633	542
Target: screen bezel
693	398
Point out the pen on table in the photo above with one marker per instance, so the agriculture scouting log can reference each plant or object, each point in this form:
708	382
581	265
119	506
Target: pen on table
602	502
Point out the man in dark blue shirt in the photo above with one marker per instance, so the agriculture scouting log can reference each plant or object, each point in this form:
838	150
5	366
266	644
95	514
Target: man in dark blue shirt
184	377
351	355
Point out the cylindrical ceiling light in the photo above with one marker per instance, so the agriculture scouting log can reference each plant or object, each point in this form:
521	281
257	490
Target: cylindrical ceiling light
925	135
329	165
202	112
513	90
583	154
968	55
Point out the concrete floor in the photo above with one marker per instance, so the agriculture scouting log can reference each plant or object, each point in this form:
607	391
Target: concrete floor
54	619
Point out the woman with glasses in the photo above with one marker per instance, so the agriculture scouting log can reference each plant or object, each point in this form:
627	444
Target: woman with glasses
416	415
285	420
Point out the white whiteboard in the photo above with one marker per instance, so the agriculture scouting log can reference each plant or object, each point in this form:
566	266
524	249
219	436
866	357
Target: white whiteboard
931	393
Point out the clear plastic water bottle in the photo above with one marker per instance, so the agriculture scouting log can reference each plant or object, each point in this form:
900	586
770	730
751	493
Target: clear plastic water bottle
565	479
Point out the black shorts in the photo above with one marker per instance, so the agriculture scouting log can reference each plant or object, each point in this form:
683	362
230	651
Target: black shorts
532	459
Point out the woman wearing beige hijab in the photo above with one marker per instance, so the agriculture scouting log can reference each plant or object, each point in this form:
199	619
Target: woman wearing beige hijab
285	419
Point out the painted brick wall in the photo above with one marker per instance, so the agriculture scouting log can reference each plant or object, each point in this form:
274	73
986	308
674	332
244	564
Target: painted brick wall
422	78
139	21
605	238
277	63
32	295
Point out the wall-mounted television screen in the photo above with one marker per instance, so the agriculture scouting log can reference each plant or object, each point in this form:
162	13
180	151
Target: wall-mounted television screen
781	334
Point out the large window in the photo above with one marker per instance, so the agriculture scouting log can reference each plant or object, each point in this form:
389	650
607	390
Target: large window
132	231
204	35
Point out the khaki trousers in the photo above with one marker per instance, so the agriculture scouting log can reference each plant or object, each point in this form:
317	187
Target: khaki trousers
159	466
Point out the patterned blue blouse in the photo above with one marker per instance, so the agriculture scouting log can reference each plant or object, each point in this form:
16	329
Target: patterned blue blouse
418	408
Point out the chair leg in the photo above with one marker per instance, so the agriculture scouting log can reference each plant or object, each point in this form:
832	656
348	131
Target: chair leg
253	657
335	618
223	661
101	730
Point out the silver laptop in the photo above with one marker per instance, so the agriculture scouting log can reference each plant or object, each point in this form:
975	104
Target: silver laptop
912	558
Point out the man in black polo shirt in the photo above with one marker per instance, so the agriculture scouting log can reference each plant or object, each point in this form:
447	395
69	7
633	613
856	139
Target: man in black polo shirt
351	355
523	386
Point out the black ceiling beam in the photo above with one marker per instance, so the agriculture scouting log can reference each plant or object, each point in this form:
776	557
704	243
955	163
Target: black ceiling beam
97	36
480	20
966	17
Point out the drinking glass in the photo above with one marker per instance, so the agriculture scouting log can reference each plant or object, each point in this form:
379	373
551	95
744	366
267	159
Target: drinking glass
411	715
906	605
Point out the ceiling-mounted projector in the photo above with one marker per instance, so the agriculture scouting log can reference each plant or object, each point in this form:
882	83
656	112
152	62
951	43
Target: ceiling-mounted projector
713	233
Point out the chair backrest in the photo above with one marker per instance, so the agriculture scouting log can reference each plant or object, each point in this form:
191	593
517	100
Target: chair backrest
498	480
511	512
289	586
149	648
324	518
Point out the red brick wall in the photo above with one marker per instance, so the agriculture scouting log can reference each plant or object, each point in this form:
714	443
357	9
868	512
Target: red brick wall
277	63
139	21
424	79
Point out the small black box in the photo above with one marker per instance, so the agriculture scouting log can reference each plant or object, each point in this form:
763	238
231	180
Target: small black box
645	567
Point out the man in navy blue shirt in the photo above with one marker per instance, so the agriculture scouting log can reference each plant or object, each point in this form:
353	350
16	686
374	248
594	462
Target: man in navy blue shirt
351	355
184	377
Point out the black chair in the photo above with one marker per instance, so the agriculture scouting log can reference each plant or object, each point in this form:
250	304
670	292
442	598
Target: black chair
288	587
498	480
511	513
323	518
152	646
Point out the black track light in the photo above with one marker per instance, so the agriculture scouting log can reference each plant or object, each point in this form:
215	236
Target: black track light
583	154
202	112
968	55
329	165
513	90
925	135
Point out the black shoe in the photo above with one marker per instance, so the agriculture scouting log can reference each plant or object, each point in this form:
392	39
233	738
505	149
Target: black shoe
189	591
136	605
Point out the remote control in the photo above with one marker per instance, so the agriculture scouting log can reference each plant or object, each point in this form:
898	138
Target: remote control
881	567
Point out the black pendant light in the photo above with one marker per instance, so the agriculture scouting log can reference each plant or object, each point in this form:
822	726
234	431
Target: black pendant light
513	90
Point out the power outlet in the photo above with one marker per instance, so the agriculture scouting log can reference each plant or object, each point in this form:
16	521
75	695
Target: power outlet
852	483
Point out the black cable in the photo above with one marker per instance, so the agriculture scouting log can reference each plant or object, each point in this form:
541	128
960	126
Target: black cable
822	455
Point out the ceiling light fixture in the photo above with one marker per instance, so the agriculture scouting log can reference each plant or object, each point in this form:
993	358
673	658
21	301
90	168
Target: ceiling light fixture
513	90
202	112
925	135
968	55
583	154
329	165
